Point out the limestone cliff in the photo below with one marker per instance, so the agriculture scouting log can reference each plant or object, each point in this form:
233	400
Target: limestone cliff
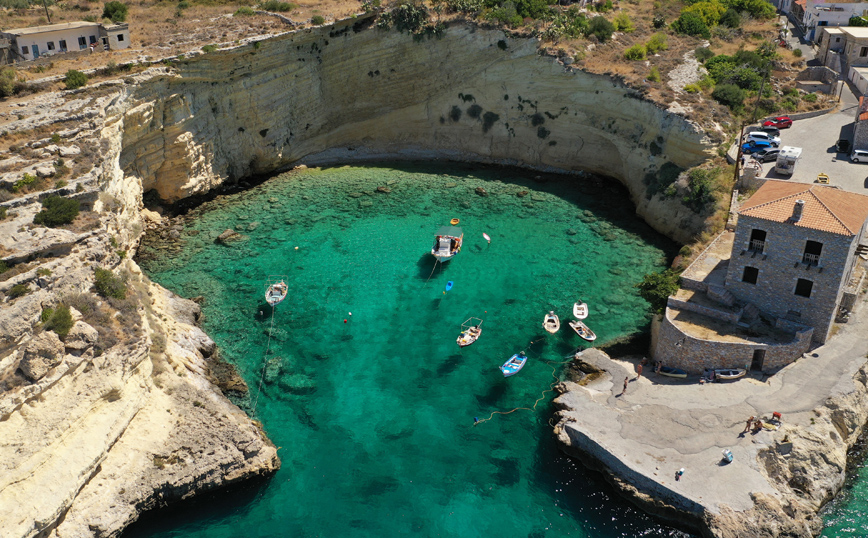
351	92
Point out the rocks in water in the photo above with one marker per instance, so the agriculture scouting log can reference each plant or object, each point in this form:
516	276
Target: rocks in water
537	197
481	192
298	384
451	185
522	194
465	204
42	353
572	231
273	200
384	190
228	236
252	226
365	203
616	271
356	194
81	337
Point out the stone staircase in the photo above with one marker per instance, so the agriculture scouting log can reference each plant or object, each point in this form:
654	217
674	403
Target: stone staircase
720	294
862	251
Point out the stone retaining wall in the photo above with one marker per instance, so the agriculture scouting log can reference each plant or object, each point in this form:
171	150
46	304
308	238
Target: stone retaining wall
729	317
694	355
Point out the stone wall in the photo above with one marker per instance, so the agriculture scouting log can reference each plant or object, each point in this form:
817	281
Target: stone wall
729	317
677	348
780	268
348	92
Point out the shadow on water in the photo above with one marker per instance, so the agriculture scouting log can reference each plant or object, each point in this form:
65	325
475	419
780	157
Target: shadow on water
429	267
263	312
495	392
450	365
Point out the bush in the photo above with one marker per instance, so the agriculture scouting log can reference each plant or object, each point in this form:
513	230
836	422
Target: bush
59	321
623	23
601	28
74	79
797	53
636	52
277	5
464	6
703	54
658	42
691	24
710	12
654	75
729	95
183	4
856	20
7	82
810	98
692	88
116	11
26	181
18	290
658	22
758	9
316	20
3	208
108	285
209	48
731	18
700	189
58	211
244	11
657	287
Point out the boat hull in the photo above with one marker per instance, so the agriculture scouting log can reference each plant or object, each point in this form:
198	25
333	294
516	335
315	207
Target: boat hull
729	374
580	310
583	331
551	323
673	372
510	368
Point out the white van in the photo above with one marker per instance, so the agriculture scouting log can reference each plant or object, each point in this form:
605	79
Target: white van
759	135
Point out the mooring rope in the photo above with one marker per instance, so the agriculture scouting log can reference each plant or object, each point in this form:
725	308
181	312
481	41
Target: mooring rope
265	359
436	261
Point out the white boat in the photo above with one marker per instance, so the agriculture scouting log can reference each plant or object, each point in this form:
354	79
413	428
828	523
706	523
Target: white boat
672	372
728	374
514	364
580	310
276	290
447	243
471	330
583	330
552	323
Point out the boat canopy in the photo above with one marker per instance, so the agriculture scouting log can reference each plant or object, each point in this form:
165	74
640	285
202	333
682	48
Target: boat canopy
451	231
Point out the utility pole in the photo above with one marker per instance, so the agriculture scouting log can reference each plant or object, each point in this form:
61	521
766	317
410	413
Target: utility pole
47	14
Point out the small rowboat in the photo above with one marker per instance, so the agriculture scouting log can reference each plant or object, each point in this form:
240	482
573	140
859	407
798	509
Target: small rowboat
673	372
583	330
580	310
276	291
514	364
552	323
471	330
728	374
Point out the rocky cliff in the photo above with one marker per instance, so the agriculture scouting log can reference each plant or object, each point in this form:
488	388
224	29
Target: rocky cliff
352	92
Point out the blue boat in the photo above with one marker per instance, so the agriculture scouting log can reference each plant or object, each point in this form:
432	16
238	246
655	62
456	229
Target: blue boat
514	364
673	372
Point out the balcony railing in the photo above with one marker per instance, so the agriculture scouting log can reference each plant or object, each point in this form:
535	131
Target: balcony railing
757	246
811	259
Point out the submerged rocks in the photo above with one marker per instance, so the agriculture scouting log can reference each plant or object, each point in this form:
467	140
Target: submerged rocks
42	353
230	236
481	192
384	190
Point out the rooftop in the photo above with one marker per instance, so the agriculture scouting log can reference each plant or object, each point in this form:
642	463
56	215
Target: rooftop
857	32
52	28
826	208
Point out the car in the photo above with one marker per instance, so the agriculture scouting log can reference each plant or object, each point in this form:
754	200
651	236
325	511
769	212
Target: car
766	155
859	156
756	135
774	131
781	122
754	146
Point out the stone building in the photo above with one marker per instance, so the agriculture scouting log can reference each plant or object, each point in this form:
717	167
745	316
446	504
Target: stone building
759	296
38	41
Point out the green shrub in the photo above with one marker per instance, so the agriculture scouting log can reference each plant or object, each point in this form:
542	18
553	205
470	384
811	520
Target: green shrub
700	189
74	79
464	6
658	22
657	287
244	11
3	208
654	75
46	315
600	28
797	53
3	267
317	20
603	7
116	11
55	138
18	290
729	95
57	211
703	54
730	18
758	9
856	20
706	82
811	98
109	285
692	88
709	12
60	320
7	82
277	5
658	42
623	23
209	48
636	52
89	18
26	181
42	271
691	24
183	4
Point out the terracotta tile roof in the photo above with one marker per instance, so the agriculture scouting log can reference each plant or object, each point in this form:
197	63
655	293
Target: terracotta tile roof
826	208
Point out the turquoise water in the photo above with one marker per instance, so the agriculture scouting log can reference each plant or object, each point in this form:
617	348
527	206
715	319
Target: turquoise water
845	516
363	387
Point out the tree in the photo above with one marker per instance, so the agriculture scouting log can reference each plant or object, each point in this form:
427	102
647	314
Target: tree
857	21
116	11
7	82
657	287
729	95
691	24
57	211
601	28
731	18
709	11
74	79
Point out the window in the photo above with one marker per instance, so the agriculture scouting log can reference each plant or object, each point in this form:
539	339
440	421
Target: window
120	38
92	39
813	249
750	275
82	43
51	45
62	45
804	287
25	50
863	52
757	241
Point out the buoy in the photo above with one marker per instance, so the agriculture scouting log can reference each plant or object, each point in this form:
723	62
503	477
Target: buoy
345	320
453	222
296	248
486	237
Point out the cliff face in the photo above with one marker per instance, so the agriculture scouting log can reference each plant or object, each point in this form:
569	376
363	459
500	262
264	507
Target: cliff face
352	92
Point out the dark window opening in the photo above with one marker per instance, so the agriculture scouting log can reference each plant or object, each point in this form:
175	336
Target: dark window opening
51	45
750	275
62	45
25	50
120	38
863	52
813	249
757	241
92	39
82	43
804	287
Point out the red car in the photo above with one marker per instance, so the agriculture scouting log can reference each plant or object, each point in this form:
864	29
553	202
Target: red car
781	122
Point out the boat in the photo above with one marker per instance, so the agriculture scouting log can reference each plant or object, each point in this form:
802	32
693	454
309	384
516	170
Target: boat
728	374
580	310
449	285
447	243
514	364
672	372
471	330
551	323
583	330
276	290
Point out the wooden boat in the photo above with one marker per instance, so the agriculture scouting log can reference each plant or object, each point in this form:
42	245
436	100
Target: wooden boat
580	310
447	243
514	364
728	374
471	330
673	372
276	290
583	330
552	323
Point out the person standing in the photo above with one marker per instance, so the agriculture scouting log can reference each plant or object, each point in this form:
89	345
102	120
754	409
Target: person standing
626	380
748	425
639	371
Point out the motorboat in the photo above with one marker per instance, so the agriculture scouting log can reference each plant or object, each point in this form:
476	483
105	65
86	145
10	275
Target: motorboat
471	330
552	323
672	372
276	290
447	243
580	310
728	374
514	364
583	330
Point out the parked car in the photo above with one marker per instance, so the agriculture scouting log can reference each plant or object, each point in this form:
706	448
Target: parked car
757	135
754	146
781	122
766	155
859	156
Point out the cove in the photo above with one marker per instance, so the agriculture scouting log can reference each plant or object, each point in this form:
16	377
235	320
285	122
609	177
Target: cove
374	416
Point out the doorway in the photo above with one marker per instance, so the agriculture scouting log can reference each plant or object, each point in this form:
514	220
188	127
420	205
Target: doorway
759	356
35	49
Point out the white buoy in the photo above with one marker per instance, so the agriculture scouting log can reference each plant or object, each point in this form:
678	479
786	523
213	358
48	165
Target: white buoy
296	248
